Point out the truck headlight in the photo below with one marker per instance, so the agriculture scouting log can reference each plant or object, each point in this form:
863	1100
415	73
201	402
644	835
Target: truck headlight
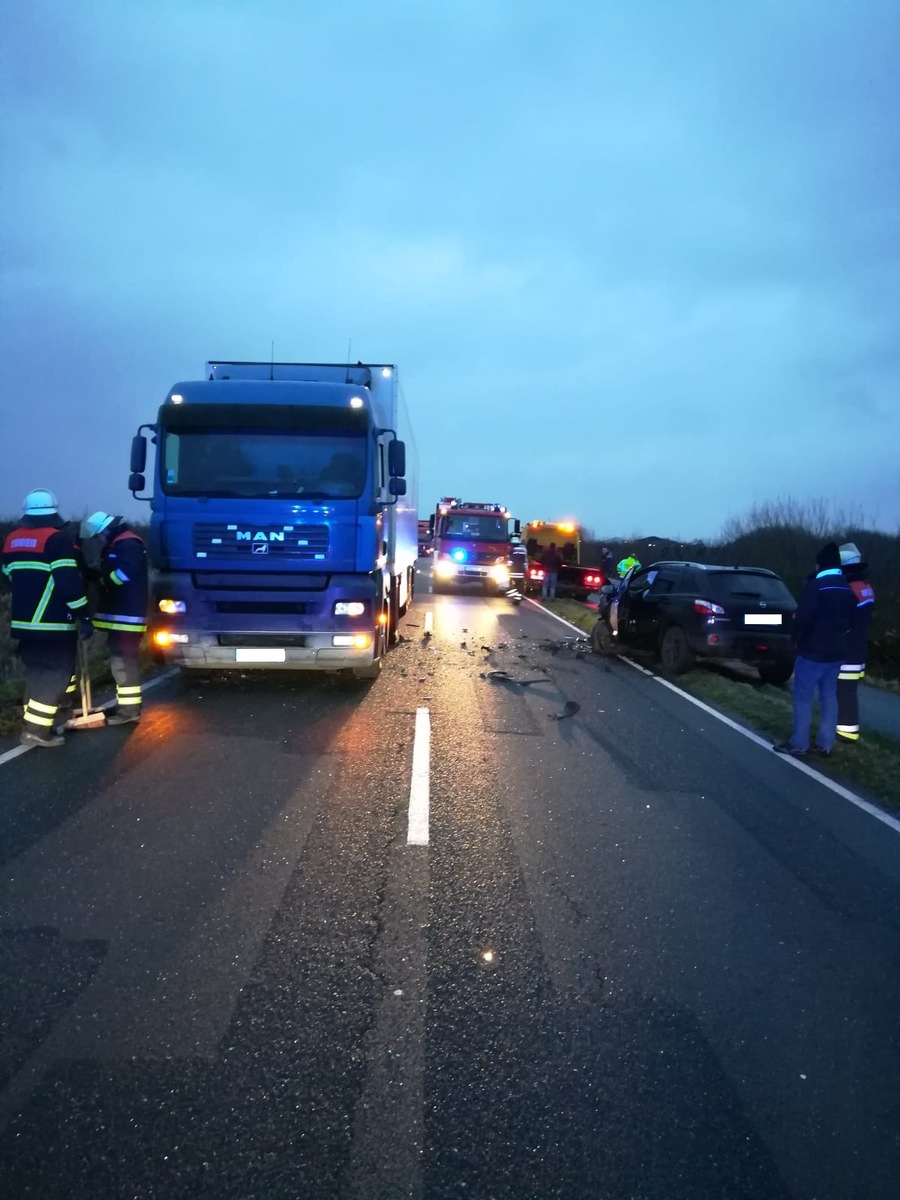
164	637
444	568
349	608
171	607
359	640
500	573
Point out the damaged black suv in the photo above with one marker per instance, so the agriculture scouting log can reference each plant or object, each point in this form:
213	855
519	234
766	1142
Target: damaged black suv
686	610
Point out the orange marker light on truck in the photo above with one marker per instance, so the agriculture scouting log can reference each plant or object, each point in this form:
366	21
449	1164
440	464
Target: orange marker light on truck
162	637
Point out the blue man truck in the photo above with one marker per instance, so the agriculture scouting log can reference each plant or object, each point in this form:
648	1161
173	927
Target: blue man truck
283	531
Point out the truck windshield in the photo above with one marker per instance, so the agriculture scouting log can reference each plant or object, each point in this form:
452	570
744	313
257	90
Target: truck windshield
474	528
255	463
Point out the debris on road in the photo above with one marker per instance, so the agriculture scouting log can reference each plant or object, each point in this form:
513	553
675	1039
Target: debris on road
570	708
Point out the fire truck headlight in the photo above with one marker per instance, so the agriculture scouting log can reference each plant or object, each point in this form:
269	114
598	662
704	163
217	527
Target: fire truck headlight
444	568
500	573
170	607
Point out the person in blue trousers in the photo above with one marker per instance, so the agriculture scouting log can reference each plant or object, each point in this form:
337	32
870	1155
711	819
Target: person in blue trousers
821	626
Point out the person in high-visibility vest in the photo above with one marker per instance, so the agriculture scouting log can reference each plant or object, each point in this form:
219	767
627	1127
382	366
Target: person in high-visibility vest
118	559
853	669
626	565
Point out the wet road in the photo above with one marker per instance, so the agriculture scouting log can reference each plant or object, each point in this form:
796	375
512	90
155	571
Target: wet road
628	953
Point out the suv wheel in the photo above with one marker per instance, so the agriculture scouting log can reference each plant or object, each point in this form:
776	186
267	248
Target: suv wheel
674	652
602	640
777	672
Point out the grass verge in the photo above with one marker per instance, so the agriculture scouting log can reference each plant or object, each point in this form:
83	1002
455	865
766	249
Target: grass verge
872	765
573	612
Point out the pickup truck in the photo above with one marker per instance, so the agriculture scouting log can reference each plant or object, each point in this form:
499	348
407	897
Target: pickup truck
574	581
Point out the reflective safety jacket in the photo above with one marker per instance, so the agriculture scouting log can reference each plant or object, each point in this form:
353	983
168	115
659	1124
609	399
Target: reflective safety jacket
854	665
122	600
47	588
626	565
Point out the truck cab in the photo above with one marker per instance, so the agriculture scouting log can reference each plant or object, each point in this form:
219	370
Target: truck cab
283	517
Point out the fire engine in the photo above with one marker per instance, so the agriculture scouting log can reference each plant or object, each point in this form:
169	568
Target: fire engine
471	544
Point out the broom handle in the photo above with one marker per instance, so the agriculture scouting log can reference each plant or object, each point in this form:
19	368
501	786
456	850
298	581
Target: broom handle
86	702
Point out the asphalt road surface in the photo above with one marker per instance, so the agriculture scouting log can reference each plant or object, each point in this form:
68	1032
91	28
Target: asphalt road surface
447	935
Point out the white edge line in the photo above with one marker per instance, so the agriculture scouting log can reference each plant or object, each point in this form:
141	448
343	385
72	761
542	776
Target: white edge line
9	755
417	830
837	788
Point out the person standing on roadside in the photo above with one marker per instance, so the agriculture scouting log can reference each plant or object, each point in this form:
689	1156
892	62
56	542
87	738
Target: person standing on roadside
49	613
551	561
821	627
853	669
116	556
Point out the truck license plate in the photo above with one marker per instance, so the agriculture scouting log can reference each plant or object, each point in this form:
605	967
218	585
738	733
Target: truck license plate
259	656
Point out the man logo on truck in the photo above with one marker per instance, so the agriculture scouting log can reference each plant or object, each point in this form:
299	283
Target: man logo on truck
259	536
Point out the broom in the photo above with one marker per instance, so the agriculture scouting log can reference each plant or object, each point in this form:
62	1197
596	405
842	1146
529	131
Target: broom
88	719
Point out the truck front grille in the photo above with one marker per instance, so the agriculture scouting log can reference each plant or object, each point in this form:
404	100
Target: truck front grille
266	607
307	543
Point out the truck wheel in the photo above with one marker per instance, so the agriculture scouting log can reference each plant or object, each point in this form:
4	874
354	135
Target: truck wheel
393	612
367	674
674	652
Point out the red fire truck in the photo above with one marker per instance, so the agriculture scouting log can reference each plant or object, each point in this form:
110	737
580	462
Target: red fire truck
471	544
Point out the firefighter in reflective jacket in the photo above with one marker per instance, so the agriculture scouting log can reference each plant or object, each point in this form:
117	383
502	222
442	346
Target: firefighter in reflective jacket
116	556
49	612
853	669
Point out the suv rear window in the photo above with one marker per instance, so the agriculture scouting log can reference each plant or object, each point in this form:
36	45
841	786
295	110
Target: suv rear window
745	585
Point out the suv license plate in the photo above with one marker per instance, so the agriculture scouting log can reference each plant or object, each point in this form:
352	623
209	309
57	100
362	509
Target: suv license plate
762	618
259	656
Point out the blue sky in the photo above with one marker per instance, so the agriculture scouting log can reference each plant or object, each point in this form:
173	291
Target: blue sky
638	263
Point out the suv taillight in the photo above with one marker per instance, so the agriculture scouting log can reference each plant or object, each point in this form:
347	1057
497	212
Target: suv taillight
708	608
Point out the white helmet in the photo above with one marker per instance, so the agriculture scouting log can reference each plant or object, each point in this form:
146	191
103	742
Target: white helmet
40	503
95	523
850	554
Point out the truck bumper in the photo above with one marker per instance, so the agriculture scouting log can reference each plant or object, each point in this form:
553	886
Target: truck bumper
204	653
229	624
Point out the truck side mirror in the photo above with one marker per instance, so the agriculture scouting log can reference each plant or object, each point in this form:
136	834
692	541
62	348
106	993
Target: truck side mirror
138	454
517	527
396	459
397	487
136	482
